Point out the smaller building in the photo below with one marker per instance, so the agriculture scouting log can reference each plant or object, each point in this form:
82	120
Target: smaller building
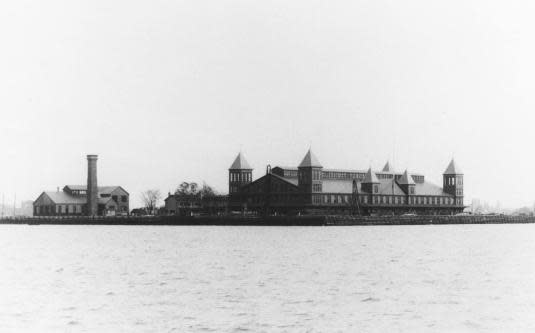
183	205
72	201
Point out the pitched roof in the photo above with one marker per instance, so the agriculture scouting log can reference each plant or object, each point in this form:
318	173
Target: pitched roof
453	169
310	160
65	198
240	163
272	175
337	186
406	179
388	167
428	188
101	189
370	177
292	180
389	187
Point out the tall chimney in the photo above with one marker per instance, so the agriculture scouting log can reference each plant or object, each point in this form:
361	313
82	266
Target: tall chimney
92	187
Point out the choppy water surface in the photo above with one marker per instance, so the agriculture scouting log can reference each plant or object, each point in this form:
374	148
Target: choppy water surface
271	279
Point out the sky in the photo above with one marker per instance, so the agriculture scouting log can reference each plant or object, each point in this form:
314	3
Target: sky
171	91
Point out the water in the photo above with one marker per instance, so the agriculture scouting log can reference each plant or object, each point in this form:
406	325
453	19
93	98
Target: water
267	279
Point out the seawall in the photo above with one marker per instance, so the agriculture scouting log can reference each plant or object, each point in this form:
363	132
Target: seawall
311	220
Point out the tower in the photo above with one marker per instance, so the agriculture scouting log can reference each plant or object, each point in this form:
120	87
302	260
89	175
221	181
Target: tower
388	167
453	182
309	175
92	186
370	183
406	183
240	173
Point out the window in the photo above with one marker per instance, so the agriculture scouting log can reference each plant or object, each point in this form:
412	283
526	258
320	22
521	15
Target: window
124	198
375	189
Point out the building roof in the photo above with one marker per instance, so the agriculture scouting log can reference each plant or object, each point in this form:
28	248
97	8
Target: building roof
292	180
337	186
64	198
240	163
388	167
60	197
406	179
101	189
310	160
428	188
389	187
370	177
453	169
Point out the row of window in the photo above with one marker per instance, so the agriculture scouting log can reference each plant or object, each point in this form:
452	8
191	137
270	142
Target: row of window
240	177
384	176
451	180
385	200
316	188
58	209
124	198
364	199
342	175
290	173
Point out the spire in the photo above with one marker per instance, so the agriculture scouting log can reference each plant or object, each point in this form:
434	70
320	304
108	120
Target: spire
388	167
310	160
370	177
240	163
406	179
453	169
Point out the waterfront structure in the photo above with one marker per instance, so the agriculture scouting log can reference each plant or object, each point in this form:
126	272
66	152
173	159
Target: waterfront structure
311	188
90	199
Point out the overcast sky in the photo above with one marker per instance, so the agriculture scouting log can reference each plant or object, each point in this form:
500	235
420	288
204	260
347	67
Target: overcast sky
167	91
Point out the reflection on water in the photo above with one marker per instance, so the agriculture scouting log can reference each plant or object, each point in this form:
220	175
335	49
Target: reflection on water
267	279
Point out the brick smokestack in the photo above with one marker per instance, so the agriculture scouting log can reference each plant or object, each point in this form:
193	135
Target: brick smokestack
92	187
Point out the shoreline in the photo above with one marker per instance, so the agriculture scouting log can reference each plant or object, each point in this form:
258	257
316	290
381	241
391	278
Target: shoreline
308	220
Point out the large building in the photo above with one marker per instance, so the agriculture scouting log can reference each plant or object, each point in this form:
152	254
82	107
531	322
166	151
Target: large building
310	188
90	199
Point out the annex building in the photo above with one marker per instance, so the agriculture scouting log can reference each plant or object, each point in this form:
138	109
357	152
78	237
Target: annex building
72	200
310	188
90	199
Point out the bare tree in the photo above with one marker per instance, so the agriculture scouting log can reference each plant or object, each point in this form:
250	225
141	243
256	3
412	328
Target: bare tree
150	199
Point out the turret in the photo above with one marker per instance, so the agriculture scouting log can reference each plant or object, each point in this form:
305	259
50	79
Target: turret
388	167
309	175
370	183
453	182
406	183
240	173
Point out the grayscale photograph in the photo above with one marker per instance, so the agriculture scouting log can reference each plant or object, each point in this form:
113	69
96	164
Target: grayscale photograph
267	166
